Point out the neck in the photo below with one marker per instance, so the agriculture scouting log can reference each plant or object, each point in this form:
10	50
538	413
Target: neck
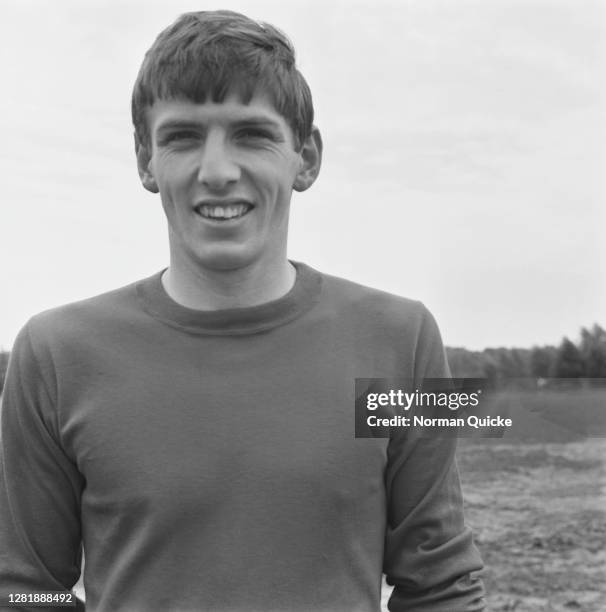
207	289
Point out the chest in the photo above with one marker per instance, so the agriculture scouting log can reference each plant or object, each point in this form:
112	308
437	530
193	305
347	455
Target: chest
216	426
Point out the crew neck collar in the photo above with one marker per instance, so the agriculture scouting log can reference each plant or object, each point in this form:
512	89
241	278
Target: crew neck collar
232	321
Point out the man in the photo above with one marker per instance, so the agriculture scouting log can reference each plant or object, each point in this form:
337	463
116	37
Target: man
193	431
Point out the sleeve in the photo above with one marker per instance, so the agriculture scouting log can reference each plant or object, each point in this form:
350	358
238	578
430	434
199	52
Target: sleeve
40	537
429	554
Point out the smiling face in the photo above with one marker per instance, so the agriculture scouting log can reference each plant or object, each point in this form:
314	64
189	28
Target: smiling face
225	172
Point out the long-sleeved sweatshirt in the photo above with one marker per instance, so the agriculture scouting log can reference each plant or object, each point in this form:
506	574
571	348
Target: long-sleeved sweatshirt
206	460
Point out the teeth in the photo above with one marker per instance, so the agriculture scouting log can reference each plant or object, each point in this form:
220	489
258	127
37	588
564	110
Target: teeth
228	211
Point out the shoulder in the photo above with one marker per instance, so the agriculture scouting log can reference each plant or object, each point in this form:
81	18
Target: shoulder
374	305
388	326
84	318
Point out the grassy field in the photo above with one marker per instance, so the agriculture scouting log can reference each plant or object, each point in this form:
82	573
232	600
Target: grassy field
536	501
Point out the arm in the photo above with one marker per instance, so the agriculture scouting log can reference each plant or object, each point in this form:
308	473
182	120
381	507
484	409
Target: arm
40	541
429	553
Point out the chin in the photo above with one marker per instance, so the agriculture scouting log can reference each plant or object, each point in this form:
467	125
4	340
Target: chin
228	259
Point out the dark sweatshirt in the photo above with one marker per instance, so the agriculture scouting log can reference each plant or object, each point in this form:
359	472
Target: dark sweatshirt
206	460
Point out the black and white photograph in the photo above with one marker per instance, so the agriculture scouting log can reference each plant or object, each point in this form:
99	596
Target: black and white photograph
251	251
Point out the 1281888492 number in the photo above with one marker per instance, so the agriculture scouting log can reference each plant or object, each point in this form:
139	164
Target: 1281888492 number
42	598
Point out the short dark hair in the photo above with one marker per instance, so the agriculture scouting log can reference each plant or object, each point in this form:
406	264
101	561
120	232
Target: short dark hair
210	54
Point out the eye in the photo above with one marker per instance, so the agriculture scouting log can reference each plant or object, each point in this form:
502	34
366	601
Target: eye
180	136
253	133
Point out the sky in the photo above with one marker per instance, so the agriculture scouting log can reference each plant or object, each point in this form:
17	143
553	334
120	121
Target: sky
464	156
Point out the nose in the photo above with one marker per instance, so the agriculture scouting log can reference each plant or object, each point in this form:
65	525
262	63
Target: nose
218	169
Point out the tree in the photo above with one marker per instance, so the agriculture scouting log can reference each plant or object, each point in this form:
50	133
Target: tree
593	351
3	365
490	369
542	361
569	362
464	363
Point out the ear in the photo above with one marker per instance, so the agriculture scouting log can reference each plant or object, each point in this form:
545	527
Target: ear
311	160
143	161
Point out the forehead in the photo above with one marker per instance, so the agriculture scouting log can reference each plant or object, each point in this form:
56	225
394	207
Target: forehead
232	110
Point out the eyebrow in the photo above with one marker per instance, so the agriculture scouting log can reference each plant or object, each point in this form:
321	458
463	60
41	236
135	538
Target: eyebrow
171	124
175	124
258	122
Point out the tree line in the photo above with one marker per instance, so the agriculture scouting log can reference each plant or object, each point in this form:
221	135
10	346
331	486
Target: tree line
585	358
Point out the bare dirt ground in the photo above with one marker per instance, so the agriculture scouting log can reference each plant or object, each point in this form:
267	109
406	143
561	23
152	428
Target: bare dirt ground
538	513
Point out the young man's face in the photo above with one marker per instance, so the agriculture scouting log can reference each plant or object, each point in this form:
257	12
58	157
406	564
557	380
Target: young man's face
225	173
